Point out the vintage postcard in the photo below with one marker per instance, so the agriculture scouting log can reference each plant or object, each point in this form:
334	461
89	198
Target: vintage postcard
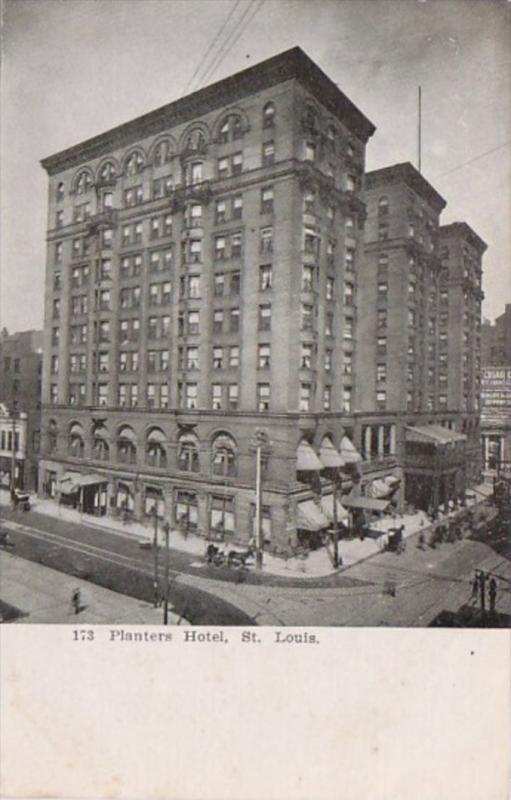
255	399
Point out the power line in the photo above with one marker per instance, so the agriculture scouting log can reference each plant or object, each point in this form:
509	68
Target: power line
233	38
212	44
471	161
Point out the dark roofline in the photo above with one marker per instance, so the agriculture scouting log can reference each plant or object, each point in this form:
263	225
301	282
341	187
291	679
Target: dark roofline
464	230
407	173
293	63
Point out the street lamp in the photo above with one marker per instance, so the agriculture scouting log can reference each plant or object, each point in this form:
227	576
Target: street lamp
14	415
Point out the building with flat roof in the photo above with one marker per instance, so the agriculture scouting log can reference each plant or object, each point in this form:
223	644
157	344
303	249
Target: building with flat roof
496	340
21	359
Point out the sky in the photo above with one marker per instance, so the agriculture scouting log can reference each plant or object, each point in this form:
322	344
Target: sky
74	68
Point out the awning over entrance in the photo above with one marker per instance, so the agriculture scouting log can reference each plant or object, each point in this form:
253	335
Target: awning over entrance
329	455
68	483
327	507
309	517
91	480
381	488
436	434
366	503
307	460
349	452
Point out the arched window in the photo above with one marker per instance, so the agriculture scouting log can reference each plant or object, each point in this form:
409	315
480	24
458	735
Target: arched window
52	436
100	446
188	453
269	115
231	128
76	443
156	454
60	192
195	141
224	456
162	153
383	260
134	164
83	182
107	172
127	445
383	205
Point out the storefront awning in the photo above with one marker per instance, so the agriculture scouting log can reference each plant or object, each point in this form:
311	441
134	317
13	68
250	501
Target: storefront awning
307	460
329	455
436	434
349	452
327	507
366	503
68	483
381	488
90	480
309	517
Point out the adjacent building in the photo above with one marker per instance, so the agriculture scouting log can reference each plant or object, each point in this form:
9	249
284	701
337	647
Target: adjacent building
21	357
496	340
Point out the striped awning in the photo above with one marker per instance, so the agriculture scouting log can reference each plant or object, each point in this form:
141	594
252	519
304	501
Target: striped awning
327	507
309	517
307	460
349	452
329	454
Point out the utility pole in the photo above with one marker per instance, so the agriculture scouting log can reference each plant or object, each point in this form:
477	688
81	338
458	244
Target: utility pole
13	452
259	441
166	528
336	522
419	142
155	553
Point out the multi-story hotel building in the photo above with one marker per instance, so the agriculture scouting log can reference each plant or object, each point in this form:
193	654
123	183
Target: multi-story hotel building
397	349
200	288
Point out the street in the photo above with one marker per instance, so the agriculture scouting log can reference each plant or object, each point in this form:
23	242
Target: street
410	589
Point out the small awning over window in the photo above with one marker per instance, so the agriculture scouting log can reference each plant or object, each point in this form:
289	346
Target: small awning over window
90	480
349	452
366	503
307	460
309	517
327	507
68	483
436	434
329	455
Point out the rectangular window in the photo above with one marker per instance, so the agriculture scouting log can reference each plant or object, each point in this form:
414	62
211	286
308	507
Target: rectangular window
234	356
304	400
327	398
268	154
267	200
381	373
381	400
264	318
263	359
216	396
193	322
306	355
192	358
263	396
235	283
218	357
220	248
346	396
237	206
328	361
307	316
329	288
236	240
265	277
220	211
233	396
266	242
307	278
234	320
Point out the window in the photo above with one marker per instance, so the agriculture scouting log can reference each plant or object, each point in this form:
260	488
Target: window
107	200
381	400
219	284
220	211
57	281
265	277
267	200
234	356
190	395
234	320
218	357
218	321
59	194
220	248
328	360
381	373
306	355
327	398
134	164
56	309
133	196
309	202
269	115
237	206
348	328
224	456
236	241
233	396
216	396
307	278
268	154
235	283
349	292
383	289
236	163
383	231
350	183
55	336
193	322
346	397
59	219
381	318
349	259
263	397
383	205
307	316
54	368
54	394
381	345
348	363
102	394
58	252
304	399
188	453
192	358
310	152
264	318
222	515
263	356
311	242
266	242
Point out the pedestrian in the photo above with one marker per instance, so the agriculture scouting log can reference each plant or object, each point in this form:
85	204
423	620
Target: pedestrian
75	600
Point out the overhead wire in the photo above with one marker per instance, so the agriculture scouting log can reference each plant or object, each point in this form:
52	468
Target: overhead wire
472	160
233	37
202	61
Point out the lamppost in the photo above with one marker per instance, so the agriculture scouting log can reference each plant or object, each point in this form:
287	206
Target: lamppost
155	554
166	528
14	416
260	440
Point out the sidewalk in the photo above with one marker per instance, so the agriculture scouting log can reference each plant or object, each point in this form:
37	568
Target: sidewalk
316	565
43	595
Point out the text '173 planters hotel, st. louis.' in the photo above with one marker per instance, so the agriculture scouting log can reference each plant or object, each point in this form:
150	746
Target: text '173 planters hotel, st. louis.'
204	264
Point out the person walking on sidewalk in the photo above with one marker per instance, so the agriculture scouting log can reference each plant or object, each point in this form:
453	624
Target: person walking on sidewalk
75	601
